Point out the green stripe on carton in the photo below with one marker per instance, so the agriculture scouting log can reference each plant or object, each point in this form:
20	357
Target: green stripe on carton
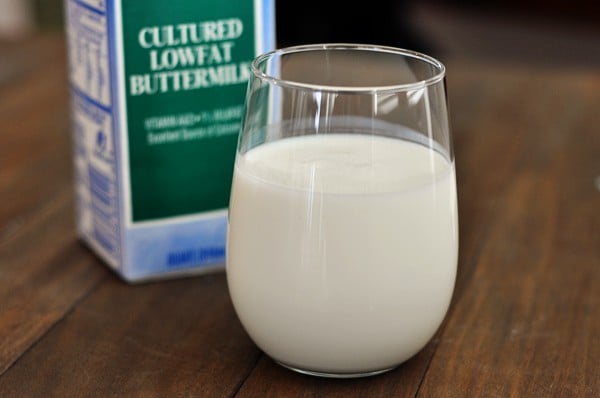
186	71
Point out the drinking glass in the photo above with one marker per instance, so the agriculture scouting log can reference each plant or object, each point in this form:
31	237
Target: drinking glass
343	229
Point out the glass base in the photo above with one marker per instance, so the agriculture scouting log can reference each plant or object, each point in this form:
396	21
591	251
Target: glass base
336	375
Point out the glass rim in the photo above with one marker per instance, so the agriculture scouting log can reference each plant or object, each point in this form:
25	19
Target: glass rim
438	76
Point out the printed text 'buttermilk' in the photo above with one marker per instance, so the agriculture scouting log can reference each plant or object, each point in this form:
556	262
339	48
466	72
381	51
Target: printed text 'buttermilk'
190	56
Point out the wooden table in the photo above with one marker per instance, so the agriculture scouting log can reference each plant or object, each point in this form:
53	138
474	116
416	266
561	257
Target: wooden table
524	320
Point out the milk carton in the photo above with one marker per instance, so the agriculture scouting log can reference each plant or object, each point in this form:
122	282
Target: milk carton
157	91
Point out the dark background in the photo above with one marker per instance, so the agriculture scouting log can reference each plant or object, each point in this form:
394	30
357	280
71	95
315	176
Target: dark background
535	31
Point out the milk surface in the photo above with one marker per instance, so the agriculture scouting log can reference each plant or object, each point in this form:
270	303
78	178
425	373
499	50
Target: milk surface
342	249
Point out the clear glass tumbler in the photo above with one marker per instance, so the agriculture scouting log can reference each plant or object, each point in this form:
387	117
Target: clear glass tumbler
343	226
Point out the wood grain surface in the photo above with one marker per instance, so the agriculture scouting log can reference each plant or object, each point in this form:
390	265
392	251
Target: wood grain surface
525	316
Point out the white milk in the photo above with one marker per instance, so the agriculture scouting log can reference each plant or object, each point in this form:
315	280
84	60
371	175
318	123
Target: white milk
342	249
